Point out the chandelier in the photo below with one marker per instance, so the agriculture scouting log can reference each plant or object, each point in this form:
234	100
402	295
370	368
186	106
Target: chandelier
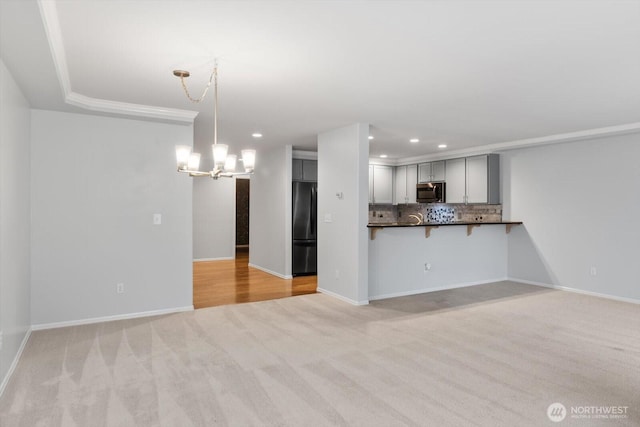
224	163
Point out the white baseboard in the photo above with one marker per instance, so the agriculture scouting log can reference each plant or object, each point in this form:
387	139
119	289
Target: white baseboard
439	288
531	282
224	258
42	326
342	298
12	368
273	273
577	291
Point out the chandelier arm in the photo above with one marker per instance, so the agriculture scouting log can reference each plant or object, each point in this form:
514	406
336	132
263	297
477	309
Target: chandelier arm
196	174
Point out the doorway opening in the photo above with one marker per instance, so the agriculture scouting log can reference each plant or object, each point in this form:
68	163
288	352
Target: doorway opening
242	216
232	281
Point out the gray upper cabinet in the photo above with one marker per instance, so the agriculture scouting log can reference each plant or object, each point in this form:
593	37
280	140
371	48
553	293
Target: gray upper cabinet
477	182
370	183
305	170
432	171
380	184
296	171
309	170
473	179
406	178
455	179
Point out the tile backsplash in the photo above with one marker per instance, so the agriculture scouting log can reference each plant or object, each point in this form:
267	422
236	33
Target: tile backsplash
435	213
383	213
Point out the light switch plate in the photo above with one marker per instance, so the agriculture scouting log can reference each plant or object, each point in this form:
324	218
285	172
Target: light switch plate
328	217
157	219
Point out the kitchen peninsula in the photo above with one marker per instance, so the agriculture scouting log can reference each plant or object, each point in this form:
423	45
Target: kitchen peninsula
469	247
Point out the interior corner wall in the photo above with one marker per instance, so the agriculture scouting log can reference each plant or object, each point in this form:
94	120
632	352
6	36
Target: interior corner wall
270	212
214	222
15	215
343	169
96	184
578	201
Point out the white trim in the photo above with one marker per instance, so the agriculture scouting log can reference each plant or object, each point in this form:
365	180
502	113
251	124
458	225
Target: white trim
224	258
139	110
304	155
578	291
14	364
49	15
531	282
439	288
523	143
342	298
266	270
384	162
64	324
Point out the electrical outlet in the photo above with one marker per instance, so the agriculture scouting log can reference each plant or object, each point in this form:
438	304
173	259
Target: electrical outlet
593	271
427	266
120	288
337	274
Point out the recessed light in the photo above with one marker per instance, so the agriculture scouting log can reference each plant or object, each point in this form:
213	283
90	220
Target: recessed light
414	140
442	146
383	156
370	137
256	135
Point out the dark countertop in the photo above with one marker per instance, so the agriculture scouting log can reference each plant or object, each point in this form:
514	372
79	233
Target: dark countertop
436	224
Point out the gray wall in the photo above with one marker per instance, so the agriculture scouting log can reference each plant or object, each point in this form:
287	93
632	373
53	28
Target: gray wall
270	212
214	221
578	202
15	228
96	183
343	167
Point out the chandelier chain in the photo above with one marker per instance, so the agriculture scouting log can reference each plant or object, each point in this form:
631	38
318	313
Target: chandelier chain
214	73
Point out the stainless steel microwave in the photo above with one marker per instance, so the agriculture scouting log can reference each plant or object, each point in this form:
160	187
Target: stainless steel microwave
431	192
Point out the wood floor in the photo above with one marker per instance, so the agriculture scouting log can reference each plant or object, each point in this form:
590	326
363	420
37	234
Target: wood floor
233	281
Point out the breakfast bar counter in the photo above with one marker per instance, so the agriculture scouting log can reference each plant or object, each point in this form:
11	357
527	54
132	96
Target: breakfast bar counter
454	254
428	226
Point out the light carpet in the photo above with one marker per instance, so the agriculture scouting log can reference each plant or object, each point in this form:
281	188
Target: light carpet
489	355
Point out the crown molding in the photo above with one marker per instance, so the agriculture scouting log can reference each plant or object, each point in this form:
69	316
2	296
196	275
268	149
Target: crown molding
49	14
526	143
107	106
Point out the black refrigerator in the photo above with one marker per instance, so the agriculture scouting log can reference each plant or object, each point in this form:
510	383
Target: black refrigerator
305	208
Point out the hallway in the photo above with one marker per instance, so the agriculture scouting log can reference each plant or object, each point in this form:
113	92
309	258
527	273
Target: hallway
233	282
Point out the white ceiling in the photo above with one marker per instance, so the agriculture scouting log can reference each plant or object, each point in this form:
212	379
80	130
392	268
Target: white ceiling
463	73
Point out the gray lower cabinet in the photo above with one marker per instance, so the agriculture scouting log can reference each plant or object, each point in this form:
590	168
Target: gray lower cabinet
473	179
305	170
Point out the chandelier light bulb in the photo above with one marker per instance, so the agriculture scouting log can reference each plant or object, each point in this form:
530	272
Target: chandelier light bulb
220	155
194	162
230	163
249	160
182	156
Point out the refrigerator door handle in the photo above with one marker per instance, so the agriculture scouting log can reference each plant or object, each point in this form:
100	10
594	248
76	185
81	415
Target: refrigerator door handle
313	214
